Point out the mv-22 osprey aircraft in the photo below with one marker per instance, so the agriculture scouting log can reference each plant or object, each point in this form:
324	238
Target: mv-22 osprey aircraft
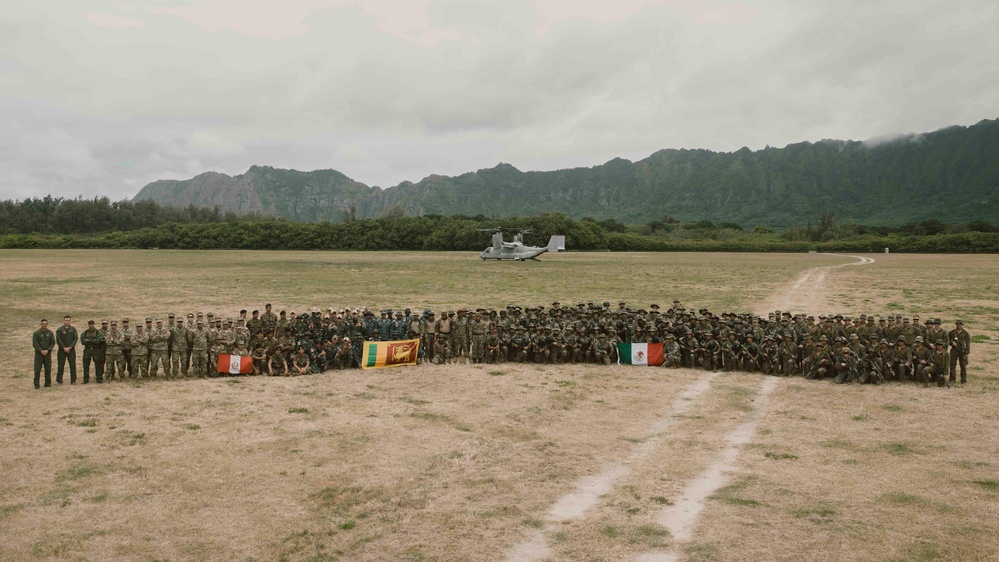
516	250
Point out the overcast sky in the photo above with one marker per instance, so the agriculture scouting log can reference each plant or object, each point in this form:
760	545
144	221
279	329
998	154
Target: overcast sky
100	97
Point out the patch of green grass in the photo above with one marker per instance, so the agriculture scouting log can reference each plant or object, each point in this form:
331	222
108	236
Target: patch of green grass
348	524
901	498
88	422
365	396
342	501
897	448
979	338
780	456
991	485
430	416
661	500
893	306
969	465
739	398
893	408
298	410
651	536
414	401
920	552
699	552
132	438
730	494
496	373
610	531
99	498
531	522
61	496
233	381
192	426
565	384
79	470
820	510
837	444
861	417
8	510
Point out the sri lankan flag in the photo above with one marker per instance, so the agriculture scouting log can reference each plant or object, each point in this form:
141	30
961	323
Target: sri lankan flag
376	354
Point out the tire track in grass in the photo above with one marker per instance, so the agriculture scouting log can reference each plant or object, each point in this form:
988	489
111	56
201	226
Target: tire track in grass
588	490
681	517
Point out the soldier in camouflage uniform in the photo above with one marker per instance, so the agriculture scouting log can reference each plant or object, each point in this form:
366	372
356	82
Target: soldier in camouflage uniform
442	350
114	358
671	352
93	347
179	339
478	330
140	352
159	340
461	337
126	346
201	340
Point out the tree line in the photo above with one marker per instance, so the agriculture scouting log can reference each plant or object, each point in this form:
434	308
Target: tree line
98	223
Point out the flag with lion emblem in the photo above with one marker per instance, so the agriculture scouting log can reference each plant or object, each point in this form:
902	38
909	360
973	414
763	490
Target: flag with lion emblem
377	354
640	353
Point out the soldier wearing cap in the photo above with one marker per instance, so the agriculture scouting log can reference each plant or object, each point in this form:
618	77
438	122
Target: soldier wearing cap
200	342
937	366
93	347
102	358
960	348
140	352
114	362
180	340
159	345
477	330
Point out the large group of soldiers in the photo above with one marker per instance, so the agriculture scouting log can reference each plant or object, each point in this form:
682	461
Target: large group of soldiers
864	349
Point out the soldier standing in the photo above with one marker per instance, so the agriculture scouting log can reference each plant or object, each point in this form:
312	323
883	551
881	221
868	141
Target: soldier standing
960	347
102	356
179	340
126	346
140	353
43	340
66	339
159	342
93	343
200	339
477	329
268	322
114	358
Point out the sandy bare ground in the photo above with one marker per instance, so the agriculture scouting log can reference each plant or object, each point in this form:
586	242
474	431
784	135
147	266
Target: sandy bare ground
470	463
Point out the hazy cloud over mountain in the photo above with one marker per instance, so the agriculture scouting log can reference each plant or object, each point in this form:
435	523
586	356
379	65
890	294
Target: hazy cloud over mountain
102	97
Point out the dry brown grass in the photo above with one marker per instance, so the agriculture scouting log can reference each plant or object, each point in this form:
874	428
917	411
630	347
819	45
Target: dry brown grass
462	462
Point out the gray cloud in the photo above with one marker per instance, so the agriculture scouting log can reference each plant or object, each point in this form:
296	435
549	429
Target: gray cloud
101	98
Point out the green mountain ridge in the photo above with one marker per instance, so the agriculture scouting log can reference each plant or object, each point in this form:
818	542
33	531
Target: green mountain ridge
951	175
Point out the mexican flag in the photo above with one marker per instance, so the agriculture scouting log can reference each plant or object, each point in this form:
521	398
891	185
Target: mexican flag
235	364
640	354
376	354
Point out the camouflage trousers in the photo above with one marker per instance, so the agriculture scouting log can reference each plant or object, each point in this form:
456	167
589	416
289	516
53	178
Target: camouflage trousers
199	358
177	364
157	358
114	366
139	365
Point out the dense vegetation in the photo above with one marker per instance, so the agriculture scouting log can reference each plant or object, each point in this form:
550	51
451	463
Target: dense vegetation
90	224
951	175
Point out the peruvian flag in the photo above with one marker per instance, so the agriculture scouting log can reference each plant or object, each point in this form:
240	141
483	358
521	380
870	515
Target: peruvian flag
235	364
640	353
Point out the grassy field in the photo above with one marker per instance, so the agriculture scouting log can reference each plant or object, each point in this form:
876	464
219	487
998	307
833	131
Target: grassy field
473	462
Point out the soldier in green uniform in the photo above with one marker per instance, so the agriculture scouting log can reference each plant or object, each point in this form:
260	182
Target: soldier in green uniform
179	338
200	342
93	347
159	341
114	359
478	330
300	362
126	347
671	352
442	350
937	365
43	341
140	352
960	348
66	339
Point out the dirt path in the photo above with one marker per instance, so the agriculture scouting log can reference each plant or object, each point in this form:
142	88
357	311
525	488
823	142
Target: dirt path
576	504
803	294
808	290
681	517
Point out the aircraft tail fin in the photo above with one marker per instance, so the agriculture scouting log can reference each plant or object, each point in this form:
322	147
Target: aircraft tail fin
556	243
